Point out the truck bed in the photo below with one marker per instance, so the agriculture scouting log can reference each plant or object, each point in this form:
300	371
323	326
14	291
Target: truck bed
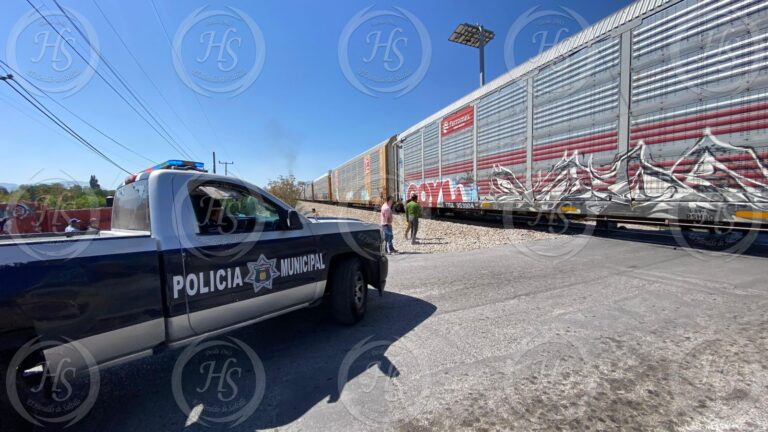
97	289
65	237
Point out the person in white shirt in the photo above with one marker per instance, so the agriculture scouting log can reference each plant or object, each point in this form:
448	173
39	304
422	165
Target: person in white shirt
72	227
386	225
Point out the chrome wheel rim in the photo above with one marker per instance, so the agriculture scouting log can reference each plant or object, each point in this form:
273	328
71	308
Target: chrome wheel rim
359	291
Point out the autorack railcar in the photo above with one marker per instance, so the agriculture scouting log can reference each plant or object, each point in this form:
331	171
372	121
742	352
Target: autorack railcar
365	180
656	113
321	188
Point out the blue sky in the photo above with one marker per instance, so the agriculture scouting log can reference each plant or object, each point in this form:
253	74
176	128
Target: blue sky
274	97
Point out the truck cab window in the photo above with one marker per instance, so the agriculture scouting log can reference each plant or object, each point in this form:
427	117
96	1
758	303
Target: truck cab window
131	208
222	208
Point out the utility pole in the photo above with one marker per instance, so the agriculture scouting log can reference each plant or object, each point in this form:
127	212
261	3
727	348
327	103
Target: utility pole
214	162
226	165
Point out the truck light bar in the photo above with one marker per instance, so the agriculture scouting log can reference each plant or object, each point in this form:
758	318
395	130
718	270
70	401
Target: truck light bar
173	164
178	164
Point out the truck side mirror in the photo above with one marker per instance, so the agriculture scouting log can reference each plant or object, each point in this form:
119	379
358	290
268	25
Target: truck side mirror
293	221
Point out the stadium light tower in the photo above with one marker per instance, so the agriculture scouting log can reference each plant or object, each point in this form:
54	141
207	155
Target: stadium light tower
476	36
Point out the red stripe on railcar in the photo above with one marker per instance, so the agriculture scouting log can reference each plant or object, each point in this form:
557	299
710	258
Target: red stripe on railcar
699	134
700	117
582	151
576	141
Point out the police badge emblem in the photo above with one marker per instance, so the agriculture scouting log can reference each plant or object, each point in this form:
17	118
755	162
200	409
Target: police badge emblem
262	272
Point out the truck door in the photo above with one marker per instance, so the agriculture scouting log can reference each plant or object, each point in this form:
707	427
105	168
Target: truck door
241	260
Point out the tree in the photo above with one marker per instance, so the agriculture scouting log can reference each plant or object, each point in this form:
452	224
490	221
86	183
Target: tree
94	183
59	196
285	188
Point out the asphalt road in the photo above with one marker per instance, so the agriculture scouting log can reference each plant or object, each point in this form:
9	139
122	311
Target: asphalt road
580	333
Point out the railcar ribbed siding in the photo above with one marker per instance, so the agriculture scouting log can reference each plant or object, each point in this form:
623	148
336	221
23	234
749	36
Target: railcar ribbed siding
431	152
698	65
576	106
501	133
412	157
457	153
321	190
376	183
351	185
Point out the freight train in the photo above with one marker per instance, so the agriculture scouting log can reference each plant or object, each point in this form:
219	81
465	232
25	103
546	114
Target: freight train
657	113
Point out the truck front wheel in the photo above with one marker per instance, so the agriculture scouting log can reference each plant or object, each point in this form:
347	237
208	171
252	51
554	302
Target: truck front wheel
349	291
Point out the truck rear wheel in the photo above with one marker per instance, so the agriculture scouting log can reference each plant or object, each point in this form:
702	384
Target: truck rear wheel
349	291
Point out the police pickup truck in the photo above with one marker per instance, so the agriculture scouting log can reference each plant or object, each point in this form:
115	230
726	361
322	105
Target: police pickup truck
189	255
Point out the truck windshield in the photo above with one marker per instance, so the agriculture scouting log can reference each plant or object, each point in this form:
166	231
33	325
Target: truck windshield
131	208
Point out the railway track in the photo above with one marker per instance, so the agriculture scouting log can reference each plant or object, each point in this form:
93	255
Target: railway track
701	238
698	238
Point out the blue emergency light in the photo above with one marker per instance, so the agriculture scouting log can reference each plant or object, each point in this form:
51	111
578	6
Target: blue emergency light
173	164
178	164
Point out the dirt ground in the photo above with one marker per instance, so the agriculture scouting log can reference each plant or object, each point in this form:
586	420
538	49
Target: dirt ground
435	236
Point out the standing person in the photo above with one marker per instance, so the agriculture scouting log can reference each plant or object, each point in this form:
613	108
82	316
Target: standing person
386	225
413	213
72	226
93	226
407	222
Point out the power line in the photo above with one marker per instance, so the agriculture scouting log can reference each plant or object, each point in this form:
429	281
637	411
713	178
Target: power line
176	145
178	57
29	97
56	120
103	78
23	109
120	79
104	134
146	74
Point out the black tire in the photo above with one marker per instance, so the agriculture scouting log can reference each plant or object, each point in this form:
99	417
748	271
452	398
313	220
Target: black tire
349	291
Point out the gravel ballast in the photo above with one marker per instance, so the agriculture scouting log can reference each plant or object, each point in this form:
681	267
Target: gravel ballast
435	236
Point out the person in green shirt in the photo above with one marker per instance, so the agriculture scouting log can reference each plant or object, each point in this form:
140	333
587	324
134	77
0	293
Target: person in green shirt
412	215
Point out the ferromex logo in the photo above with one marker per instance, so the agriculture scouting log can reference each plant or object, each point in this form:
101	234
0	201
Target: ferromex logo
457	121
260	274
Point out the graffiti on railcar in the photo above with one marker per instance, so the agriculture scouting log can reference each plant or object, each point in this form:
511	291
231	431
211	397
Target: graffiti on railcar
710	173
444	193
